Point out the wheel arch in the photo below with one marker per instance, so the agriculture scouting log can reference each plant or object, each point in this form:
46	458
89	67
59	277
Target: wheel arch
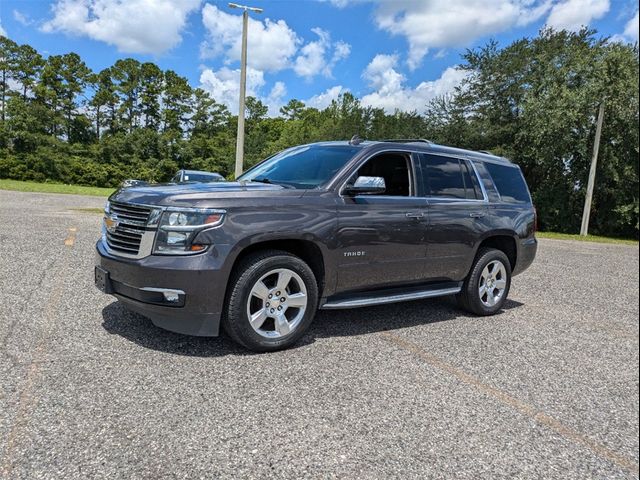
308	249
504	241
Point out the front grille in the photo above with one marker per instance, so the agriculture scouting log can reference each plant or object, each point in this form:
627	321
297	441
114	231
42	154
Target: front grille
131	226
135	214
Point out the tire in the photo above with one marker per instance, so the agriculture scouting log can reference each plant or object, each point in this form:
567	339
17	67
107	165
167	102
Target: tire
490	299
278	320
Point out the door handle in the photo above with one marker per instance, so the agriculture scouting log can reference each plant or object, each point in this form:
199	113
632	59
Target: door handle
477	214
414	214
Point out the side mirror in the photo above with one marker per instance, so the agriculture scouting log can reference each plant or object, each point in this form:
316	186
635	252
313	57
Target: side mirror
366	186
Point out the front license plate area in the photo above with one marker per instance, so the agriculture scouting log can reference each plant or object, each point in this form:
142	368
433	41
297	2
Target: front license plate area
102	280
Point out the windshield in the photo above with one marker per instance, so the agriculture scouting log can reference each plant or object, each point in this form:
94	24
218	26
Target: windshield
200	177
302	167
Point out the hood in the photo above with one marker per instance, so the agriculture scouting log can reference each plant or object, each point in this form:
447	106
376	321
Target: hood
198	194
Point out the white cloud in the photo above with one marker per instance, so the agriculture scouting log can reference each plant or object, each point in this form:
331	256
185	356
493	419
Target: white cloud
275	99
224	85
390	89
323	100
22	18
271	45
313	58
134	26
631	29
572	15
3	32
447	23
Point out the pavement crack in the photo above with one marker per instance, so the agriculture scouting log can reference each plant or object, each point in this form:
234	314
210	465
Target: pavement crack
524	408
26	397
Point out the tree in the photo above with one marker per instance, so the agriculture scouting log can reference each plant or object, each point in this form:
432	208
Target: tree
126	74
8	53
293	109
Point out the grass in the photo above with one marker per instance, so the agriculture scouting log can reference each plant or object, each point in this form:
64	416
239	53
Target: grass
588	238
21	186
97	211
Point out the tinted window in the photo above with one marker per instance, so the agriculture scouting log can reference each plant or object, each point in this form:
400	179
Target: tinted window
200	177
450	177
302	167
509	182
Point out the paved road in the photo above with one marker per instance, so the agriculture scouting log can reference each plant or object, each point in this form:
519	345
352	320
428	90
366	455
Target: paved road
546	389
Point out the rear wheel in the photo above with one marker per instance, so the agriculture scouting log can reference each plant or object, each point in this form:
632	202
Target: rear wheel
273	299
486	288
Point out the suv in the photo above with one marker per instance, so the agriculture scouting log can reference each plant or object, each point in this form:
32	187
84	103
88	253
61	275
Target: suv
327	225
194	176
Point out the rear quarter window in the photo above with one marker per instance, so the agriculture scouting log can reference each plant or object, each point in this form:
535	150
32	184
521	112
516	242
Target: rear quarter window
509	182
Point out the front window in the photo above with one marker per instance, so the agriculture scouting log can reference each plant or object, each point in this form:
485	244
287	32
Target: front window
302	167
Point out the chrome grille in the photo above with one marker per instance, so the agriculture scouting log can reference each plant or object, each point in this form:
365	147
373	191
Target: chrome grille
135	214
130	228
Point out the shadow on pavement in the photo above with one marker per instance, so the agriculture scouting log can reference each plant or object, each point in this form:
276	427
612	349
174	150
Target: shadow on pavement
118	320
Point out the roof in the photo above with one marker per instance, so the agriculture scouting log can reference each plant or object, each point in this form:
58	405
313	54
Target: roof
423	145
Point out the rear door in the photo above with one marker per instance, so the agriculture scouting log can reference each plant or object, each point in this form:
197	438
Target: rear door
457	207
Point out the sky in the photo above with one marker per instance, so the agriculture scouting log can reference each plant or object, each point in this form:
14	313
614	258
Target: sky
394	54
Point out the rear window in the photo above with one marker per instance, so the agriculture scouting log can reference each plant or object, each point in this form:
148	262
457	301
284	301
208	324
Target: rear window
450	177
509	182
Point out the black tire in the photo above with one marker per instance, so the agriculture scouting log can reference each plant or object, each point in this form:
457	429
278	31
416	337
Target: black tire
235	320
469	297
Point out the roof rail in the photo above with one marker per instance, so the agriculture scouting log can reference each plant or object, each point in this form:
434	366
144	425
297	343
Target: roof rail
407	140
486	152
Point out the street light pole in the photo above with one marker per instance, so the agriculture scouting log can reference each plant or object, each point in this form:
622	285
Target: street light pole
243	85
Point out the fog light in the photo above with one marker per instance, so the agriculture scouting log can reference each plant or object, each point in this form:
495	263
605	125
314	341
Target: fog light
171	296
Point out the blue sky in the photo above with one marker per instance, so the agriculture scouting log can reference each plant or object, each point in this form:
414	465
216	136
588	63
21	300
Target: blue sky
390	53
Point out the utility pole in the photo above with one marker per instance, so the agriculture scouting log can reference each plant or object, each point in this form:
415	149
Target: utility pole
243	85
584	228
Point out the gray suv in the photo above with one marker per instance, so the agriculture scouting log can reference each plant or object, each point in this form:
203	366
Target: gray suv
328	225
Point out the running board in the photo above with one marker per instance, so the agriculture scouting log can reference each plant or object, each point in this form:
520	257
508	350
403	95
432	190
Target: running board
382	298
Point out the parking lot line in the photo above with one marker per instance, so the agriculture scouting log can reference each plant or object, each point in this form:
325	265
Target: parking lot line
524	408
71	237
26	400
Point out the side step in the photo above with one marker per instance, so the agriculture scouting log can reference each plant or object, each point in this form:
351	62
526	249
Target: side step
392	296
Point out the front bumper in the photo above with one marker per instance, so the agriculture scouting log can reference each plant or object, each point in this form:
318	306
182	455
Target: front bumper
180	294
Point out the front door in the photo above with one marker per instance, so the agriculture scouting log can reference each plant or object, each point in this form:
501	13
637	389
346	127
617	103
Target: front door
381	238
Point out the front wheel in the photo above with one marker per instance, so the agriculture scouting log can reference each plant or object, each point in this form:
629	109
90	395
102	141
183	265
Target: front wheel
486	288
273	299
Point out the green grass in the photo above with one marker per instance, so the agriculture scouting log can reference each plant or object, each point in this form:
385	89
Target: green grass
21	186
97	211
588	238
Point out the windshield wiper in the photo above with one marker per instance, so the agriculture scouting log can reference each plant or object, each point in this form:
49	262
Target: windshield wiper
262	180
269	182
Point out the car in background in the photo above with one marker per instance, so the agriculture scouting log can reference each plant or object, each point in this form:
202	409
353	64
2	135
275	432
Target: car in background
196	176
132	182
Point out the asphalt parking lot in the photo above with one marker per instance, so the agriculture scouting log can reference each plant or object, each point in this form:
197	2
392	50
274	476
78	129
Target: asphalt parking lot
546	389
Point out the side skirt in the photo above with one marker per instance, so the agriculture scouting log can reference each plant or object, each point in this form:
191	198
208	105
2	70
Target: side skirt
381	297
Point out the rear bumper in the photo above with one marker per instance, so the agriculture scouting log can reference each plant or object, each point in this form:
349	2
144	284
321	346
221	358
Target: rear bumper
526	254
181	294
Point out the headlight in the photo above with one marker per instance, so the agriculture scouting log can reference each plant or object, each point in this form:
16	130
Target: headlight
178	227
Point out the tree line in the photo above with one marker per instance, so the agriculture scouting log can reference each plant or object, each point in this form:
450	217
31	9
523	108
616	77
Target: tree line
534	101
